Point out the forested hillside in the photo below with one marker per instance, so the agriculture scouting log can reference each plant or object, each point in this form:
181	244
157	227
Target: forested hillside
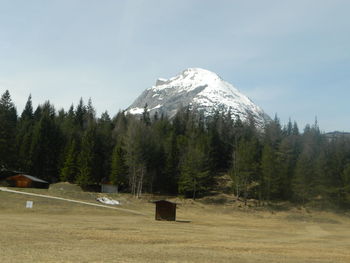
185	155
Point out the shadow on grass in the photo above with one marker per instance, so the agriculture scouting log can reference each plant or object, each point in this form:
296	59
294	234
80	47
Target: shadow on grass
183	221
311	219
278	207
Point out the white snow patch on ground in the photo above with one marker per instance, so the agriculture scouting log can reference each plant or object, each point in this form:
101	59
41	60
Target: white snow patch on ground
157	107
107	201
136	111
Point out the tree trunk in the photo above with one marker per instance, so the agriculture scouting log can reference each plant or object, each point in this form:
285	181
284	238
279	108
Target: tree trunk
245	190
194	189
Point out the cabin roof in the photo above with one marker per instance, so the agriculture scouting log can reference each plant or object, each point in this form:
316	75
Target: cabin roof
5	173
33	178
163	201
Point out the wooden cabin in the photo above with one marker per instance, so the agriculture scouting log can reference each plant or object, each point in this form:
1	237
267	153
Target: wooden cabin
26	181
165	210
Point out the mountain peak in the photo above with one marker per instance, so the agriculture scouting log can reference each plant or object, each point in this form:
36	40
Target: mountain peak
198	88
195	73
188	79
199	71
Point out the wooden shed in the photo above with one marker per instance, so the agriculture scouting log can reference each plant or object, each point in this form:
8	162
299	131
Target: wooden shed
26	181
165	210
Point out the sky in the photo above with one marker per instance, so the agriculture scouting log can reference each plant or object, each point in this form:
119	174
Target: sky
292	58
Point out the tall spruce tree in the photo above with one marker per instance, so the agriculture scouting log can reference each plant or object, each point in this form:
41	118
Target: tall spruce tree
119	170
270	180
8	123
194	172
171	169
24	136
136	147
69	170
289	151
247	173
87	170
145	116
306	181
79	115
46	146
104	145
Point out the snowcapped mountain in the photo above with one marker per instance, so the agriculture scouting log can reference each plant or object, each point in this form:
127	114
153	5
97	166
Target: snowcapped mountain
200	89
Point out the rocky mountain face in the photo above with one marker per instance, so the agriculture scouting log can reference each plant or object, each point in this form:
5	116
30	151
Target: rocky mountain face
199	89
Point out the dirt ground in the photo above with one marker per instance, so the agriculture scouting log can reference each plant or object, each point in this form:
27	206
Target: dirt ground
58	231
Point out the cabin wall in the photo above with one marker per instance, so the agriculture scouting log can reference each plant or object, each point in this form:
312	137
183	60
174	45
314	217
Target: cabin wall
165	211
19	181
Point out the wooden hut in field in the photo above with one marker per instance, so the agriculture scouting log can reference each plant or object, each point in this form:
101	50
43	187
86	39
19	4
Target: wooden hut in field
165	210
26	181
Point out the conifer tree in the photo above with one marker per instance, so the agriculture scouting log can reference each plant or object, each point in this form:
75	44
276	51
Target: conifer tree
247	170
119	170
24	136
79	115
288	130
145	116
8	123
306	181
194	174
271	180
217	159
289	151
87	158
269	173
171	170
295	130
104	146
136	159
90	113
46	146
70	167
27	113
301	183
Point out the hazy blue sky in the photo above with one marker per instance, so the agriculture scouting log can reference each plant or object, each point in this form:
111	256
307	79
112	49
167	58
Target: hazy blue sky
290	57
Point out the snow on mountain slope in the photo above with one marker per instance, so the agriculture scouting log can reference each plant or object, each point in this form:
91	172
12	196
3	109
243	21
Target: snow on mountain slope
201	89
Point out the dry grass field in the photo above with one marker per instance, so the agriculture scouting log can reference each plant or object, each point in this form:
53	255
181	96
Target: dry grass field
59	231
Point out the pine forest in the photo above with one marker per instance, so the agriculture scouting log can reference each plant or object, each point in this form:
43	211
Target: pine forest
189	155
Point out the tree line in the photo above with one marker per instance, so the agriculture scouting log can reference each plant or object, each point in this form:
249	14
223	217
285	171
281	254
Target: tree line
186	155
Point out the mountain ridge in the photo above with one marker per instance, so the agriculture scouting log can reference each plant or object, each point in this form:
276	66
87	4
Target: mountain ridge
199	89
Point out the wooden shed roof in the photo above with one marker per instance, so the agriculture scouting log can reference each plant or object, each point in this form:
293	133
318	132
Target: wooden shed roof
163	200
5	173
33	178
